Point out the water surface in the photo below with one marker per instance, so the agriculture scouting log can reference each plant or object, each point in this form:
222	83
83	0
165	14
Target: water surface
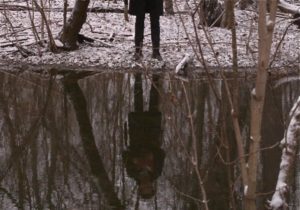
131	141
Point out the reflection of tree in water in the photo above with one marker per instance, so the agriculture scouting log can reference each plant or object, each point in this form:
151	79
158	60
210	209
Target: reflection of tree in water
54	171
144	158
205	114
41	165
22	133
88	141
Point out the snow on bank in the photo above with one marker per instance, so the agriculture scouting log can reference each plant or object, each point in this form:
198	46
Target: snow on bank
175	41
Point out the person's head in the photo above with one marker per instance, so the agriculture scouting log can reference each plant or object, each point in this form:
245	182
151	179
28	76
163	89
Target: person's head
146	186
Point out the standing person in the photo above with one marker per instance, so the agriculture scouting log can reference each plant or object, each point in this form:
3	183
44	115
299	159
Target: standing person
139	8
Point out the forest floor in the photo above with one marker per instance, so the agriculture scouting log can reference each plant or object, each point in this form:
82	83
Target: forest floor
113	47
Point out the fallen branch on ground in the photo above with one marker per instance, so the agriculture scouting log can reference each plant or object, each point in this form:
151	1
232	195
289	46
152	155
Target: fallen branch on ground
183	64
288	8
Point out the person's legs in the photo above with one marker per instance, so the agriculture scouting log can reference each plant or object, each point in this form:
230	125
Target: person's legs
155	35
139	33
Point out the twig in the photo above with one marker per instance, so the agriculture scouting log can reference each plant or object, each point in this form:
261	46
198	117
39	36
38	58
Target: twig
52	45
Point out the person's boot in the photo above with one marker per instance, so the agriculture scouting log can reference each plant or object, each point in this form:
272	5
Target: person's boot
156	55
138	54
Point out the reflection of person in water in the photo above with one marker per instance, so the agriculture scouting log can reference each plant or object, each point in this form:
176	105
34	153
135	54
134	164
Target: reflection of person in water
144	158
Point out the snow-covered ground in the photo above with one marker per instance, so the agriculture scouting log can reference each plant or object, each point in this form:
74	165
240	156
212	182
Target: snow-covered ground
178	37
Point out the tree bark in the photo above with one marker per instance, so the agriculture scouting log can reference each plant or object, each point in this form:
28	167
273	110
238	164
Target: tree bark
245	3
210	13
169	7
228	17
70	32
265	32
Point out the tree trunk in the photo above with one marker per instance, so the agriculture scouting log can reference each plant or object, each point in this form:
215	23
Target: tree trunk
243	4
210	13
265	29
227	21
169	7
70	32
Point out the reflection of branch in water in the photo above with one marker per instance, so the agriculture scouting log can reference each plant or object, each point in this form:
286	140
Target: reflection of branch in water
195	159
30	135
88	141
51	167
19	148
10	196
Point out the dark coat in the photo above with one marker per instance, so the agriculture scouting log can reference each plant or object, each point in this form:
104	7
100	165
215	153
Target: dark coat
137	7
145	128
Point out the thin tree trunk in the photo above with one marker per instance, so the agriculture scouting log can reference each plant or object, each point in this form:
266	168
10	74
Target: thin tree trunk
266	27
228	14
169	7
65	13
52	45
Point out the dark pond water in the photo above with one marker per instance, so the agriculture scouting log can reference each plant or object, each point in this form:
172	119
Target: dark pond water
129	139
